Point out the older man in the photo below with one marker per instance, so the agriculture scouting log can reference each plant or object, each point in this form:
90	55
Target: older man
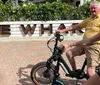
92	51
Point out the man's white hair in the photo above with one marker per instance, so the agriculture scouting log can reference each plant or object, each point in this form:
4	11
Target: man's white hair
95	2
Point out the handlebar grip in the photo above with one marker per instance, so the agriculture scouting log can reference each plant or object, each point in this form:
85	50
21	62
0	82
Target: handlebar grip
57	34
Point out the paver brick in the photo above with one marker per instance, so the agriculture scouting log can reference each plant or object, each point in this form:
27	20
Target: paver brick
17	59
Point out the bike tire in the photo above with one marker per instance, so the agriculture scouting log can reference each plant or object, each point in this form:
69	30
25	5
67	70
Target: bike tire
38	70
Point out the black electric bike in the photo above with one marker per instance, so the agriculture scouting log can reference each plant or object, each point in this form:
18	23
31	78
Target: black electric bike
47	73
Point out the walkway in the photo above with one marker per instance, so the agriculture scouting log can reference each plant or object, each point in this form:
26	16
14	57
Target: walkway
17	59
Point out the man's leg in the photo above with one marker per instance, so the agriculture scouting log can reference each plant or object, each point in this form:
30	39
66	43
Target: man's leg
91	71
92	54
75	51
71	60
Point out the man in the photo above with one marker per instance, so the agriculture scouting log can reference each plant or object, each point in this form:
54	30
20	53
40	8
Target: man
92	27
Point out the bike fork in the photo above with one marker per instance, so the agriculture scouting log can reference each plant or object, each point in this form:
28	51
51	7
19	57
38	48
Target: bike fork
48	65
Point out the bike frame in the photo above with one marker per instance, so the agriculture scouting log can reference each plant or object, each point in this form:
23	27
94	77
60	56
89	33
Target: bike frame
56	56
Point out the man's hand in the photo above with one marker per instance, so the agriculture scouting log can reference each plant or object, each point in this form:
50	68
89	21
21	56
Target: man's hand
65	45
59	31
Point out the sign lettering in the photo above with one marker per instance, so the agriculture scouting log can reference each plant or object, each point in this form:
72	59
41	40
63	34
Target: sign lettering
28	28
5	30
49	28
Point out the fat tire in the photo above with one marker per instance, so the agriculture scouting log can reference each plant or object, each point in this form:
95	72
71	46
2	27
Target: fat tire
35	69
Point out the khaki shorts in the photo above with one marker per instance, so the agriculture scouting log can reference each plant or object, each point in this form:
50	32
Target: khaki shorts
92	53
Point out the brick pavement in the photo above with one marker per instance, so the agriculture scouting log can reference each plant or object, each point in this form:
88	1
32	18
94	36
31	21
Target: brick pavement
17	59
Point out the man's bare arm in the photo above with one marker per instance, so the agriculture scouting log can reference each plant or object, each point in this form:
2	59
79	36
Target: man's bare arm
89	40
72	27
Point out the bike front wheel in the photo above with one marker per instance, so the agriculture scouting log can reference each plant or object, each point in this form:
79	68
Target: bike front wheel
39	75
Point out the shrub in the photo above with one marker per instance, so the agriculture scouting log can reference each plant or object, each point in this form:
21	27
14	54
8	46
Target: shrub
45	11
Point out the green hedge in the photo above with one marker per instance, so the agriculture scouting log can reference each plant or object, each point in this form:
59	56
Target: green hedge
45	11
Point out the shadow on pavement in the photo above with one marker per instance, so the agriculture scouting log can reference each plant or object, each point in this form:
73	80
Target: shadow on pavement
24	77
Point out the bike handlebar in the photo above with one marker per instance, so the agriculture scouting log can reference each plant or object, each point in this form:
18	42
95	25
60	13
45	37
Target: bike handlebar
57	37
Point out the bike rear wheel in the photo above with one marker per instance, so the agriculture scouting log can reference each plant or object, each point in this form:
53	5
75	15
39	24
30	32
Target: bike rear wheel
37	74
